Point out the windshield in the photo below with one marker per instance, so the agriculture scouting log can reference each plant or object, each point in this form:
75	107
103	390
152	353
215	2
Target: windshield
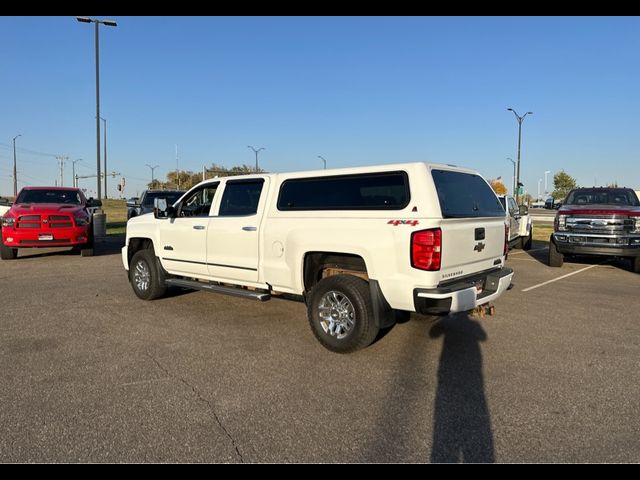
70	197
603	196
171	197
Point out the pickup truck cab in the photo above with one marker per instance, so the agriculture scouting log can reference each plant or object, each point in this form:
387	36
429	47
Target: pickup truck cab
356	244
597	221
520	226
48	217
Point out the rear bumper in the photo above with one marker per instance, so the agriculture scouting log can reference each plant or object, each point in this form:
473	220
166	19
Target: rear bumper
463	295
60	237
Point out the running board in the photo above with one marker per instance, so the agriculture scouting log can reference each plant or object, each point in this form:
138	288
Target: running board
208	287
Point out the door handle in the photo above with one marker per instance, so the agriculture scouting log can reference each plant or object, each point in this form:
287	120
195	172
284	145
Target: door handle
249	229
198	227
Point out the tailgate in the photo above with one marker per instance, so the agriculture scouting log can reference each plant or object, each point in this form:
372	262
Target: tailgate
471	245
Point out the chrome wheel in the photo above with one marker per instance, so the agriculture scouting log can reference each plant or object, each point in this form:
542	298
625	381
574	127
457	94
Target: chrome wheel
337	315
142	276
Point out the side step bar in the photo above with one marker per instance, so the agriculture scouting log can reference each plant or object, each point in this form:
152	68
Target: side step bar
208	287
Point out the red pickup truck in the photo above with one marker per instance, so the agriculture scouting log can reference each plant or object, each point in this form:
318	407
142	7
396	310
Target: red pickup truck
48	217
597	221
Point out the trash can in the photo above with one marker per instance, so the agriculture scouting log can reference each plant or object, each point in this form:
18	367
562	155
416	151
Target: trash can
99	224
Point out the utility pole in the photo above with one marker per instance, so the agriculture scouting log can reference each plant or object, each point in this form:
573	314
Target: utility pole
15	172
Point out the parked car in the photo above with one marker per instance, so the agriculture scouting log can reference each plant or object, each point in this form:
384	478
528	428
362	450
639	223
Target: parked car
5	204
48	217
144	204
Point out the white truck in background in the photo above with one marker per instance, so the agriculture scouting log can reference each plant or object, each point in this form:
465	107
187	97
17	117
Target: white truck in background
356	244
520	226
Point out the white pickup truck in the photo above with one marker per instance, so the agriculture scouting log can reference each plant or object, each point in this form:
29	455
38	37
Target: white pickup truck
356	244
520	226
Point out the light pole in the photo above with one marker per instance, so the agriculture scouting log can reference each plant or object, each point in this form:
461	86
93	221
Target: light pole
539	182
15	171
105	156
323	161
74	180
109	23
514	175
256	152
546	190
152	169
520	120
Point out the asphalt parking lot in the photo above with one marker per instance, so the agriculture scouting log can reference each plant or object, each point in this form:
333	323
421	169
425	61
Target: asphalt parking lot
90	373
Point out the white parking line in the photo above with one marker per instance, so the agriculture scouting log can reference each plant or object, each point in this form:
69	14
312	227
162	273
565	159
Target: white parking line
563	276
520	252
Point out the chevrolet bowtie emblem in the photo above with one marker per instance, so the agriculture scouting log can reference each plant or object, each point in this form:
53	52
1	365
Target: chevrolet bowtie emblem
479	247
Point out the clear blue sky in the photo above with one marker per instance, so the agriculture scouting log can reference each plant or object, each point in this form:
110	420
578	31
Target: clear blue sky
355	90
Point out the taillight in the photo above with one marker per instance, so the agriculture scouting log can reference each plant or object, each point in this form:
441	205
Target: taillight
426	246
505	250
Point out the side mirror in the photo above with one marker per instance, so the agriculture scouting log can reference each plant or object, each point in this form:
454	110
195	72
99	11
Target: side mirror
92	203
162	210
523	210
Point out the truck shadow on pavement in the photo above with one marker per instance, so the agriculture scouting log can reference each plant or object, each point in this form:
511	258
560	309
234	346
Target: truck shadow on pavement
461	421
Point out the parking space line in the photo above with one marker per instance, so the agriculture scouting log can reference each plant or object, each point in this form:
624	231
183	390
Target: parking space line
520	252
563	276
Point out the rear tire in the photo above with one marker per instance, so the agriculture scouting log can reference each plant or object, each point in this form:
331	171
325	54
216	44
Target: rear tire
144	275
555	257
340	313
635	264
8	253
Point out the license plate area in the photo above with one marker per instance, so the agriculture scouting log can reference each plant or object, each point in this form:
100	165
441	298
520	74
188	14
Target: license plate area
45	236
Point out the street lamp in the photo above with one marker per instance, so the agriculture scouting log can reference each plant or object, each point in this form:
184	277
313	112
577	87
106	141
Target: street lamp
152	169
514	175
323	161
105	156
256	152
519	119
546	190
539	182
73	172
15	172
108	23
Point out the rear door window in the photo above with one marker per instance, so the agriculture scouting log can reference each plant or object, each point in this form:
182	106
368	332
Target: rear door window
464	195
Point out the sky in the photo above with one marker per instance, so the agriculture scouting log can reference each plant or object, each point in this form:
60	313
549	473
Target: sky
354	90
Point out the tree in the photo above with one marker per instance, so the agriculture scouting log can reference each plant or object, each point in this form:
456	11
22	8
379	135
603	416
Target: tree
563	183
498	186
185	179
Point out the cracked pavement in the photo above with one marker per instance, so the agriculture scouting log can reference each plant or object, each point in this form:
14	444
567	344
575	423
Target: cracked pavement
90	373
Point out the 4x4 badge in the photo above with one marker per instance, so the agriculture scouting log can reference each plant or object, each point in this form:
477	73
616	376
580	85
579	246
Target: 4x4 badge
479	247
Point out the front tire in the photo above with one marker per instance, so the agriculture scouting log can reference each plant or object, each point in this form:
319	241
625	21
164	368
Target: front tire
340	313
145	277
8	253
635	264
555	257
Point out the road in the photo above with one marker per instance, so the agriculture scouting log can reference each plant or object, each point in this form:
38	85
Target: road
90	373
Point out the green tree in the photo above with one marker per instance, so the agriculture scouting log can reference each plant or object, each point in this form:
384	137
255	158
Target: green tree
562	184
